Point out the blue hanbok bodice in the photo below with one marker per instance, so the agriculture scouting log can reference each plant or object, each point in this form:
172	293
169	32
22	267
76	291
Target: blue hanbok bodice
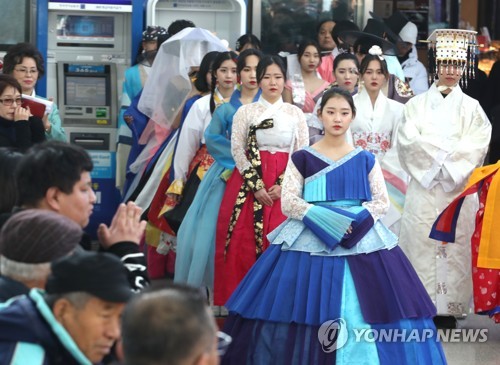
342	186
218	132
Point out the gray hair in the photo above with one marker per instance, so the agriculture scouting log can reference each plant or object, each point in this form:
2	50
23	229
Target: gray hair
78	298
167	327
23	272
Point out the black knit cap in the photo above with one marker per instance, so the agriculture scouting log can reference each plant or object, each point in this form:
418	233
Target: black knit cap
35	236
99	274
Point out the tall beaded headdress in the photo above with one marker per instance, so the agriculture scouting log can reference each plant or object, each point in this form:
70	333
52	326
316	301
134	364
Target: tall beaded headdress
453	47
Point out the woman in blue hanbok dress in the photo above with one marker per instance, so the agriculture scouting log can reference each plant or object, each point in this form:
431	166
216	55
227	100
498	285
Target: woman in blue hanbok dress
332	271
196	236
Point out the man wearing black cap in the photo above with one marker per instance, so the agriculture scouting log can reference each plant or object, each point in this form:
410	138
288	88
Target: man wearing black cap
77	319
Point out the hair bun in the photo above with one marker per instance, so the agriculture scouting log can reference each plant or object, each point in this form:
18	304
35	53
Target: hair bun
376	51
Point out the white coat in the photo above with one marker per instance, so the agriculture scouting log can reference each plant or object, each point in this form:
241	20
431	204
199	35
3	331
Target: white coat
441	141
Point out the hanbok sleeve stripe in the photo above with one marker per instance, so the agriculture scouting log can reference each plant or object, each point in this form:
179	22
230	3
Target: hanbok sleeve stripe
363	222
329	225
444	228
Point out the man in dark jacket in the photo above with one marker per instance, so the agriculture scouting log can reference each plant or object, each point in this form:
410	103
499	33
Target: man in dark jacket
77	319
55	176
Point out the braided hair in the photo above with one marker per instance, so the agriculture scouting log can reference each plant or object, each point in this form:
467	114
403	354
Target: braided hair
219	60
201	83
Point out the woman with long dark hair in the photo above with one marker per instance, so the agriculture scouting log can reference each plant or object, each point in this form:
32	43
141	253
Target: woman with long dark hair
332	267
305	86
196	236
263	136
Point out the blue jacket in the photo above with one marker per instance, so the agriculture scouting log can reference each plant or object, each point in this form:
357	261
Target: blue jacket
10	288
30	335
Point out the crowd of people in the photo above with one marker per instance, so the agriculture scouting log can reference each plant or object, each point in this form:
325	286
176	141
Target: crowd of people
278	191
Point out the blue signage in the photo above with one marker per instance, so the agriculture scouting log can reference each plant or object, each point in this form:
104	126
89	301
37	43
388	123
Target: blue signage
95	69
107	195
92	5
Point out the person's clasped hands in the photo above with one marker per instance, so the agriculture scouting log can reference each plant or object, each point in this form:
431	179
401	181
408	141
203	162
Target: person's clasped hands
125	226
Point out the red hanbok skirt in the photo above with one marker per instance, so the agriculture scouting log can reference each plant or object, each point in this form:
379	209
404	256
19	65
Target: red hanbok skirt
232	266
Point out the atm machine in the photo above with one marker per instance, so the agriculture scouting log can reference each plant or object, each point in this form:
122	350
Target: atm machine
226	18
89	47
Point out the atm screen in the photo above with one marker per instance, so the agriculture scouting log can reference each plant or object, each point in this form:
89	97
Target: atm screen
85	27
86	91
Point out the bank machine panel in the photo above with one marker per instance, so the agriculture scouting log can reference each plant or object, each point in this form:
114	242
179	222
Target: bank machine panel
87	103
89	37
89	47
100	36
16	23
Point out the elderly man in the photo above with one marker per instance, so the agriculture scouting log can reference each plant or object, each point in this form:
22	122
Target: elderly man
172	326
29	242
77	319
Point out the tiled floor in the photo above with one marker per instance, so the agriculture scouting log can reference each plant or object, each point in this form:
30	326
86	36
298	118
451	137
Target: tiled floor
486	353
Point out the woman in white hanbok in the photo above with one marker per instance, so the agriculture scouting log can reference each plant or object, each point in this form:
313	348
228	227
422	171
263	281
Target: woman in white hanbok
375	129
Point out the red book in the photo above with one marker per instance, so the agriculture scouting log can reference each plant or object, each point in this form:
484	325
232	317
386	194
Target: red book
37	109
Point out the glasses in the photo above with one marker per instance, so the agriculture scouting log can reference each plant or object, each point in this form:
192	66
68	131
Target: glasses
27	71
9	101
223	342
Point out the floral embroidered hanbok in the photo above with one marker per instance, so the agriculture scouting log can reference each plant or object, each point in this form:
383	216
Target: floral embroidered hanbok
375	130
263	137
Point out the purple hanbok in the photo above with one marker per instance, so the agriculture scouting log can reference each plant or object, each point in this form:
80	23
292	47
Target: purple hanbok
316	290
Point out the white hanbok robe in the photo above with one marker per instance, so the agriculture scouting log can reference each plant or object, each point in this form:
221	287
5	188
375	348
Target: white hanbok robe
375	129
441	141
192	136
